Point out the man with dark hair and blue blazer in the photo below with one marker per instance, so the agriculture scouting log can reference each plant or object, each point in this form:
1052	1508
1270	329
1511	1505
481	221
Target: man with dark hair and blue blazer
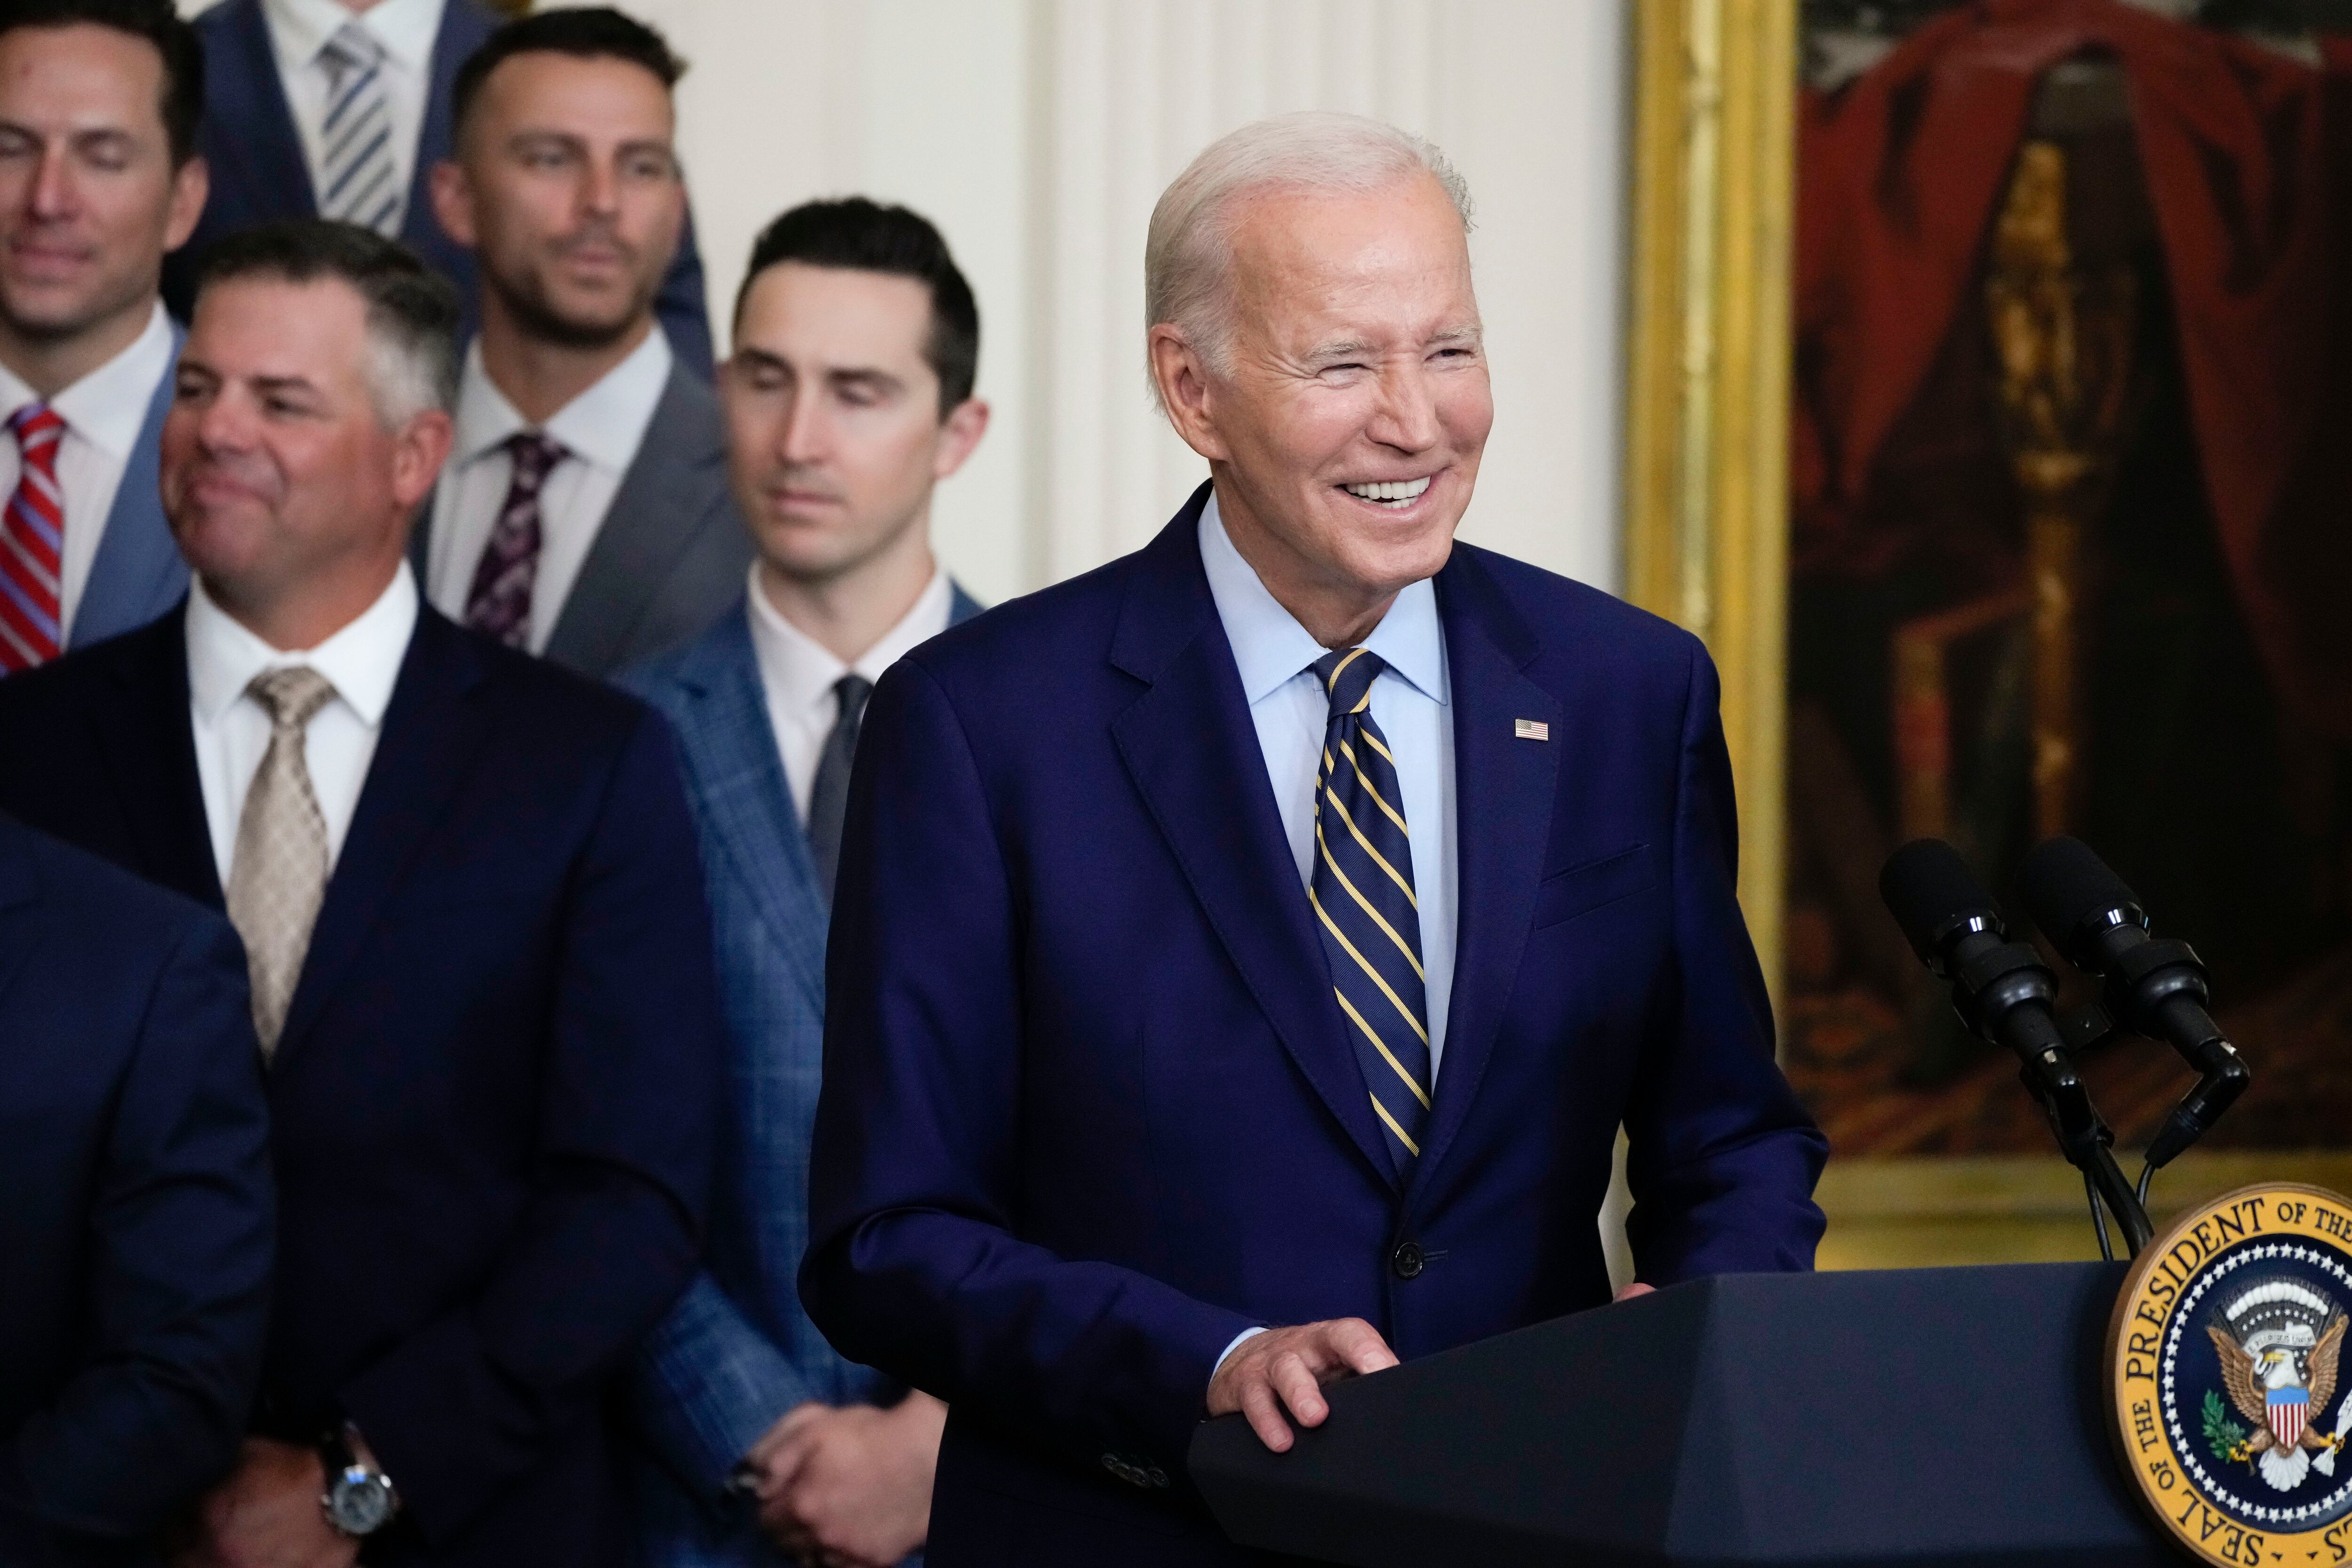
848	399
285	79
474	921
134	1151
1246	954
99	176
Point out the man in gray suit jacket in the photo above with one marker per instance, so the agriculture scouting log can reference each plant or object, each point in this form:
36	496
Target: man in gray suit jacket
848	399
584	513
98	177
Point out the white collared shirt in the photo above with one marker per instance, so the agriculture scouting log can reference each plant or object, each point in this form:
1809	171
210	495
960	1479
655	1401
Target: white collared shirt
103	412
1410	700
600	430
298	31
232	729
797	675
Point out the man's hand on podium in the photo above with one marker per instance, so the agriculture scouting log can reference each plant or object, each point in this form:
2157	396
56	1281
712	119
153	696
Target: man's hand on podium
1288	1367
1633	1288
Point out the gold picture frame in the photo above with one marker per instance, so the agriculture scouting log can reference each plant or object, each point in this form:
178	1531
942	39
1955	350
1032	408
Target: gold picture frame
1706	547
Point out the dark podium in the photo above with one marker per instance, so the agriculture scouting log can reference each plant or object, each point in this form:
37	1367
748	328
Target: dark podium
1923	1417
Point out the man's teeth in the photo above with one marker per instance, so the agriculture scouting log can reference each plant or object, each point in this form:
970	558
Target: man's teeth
1395	491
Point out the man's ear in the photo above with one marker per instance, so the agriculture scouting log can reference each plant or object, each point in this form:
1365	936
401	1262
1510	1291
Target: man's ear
453	202
1182	378
420	448
192	186
959	432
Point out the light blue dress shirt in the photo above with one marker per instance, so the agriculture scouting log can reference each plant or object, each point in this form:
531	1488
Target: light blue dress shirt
1410	703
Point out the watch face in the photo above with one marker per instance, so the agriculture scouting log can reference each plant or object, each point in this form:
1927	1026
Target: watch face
359	1503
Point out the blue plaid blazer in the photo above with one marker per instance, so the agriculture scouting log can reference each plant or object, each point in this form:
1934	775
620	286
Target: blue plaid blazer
737	1350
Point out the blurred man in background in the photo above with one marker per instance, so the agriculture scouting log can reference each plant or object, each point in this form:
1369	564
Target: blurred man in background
849	397
98	177
586	514
341	109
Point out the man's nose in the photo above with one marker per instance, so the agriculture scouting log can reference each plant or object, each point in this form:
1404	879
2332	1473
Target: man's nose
802	435
53	193
600	188
1406	417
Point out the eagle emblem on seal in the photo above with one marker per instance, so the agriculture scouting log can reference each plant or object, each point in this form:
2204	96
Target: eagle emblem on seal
2279	1341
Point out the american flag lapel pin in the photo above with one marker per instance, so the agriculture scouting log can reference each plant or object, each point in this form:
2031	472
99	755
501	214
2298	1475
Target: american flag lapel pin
1531	729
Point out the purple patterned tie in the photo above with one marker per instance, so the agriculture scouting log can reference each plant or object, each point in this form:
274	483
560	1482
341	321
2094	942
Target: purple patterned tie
500	601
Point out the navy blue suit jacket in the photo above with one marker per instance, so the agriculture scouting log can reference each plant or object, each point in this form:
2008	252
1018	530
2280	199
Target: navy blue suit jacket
737	1352
136	1229
138	574
1089	1111
259	172
495	1095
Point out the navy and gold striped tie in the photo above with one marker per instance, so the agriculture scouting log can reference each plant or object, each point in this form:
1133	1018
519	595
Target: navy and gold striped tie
1364	902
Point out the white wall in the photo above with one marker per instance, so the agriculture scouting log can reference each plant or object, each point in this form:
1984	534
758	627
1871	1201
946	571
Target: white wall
1037	134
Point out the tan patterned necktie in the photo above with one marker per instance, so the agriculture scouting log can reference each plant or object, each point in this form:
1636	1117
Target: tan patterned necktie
279	875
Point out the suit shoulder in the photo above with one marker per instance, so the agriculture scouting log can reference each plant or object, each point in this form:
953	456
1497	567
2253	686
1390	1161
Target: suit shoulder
1067	626
116	910
1571	617
560	701
70	680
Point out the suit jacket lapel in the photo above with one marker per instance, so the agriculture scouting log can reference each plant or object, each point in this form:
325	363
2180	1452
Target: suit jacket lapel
150	745
432	730
738	779
1502	793
247	105
662	504
1193	753
138	570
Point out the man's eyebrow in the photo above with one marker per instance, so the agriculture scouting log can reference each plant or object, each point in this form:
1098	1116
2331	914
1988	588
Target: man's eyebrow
864	375
303	383
1471	333
1340	348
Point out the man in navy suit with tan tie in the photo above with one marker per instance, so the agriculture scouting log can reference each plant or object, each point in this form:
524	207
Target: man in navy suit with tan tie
1245	955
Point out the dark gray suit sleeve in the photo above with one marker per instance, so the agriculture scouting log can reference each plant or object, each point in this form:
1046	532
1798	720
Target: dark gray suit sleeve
685	312
182	1223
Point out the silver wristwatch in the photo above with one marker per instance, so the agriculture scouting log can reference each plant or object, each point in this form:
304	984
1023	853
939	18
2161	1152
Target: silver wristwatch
360	1499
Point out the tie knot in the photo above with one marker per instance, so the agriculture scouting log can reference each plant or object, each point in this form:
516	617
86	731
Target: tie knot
1347	675
352	45
292	695
851	692
35	426
534	454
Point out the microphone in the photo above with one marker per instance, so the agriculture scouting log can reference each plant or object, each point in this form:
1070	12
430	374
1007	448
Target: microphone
2000	988
2003	993
2153	987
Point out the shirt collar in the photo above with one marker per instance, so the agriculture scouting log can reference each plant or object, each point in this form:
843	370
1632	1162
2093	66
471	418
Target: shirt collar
108	408
801	670
362	661
1269	645
604	426
299	29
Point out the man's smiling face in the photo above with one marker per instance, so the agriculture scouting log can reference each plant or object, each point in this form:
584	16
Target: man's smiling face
1352	404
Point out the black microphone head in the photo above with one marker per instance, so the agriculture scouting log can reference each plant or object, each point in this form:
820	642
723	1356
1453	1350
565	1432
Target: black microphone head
1932	894
2072	895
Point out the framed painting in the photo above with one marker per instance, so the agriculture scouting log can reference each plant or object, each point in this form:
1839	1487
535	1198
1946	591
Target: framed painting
1989	392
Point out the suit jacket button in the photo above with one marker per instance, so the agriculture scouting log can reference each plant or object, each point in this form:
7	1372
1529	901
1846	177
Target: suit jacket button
1408	1261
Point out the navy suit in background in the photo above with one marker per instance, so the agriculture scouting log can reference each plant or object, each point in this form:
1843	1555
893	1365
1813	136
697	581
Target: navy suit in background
494	1098
135	1204
1088	1107
259	172
138	572
737	1350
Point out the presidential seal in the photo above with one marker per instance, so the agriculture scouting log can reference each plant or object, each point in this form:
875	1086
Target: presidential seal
2222	1362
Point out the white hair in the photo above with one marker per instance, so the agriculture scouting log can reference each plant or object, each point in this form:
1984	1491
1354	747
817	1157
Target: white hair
1188	251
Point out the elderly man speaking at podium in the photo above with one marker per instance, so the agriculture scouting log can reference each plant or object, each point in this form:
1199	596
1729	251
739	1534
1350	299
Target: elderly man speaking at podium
1246	954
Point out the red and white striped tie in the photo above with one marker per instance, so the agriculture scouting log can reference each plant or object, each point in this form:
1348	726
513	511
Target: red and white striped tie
32	543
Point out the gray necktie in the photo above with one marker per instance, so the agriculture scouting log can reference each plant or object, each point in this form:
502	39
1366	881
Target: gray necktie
829	801
279	875
356	180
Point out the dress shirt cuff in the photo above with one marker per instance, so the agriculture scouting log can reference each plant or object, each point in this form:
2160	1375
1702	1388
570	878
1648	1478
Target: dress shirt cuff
1226	1354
